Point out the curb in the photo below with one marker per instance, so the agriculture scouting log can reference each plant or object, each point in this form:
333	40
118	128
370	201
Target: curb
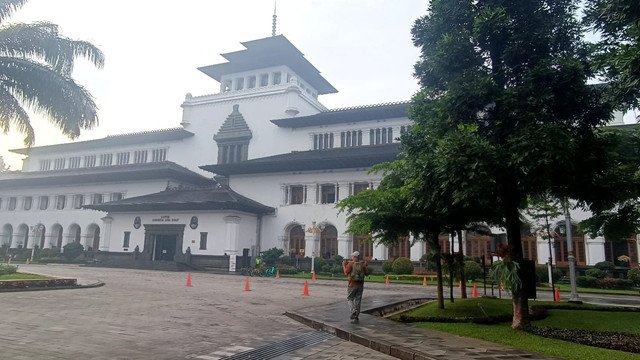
87	286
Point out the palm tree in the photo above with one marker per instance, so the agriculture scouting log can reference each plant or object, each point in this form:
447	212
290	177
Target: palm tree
35	74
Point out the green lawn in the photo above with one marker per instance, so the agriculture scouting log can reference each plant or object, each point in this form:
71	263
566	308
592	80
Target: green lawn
21	276
502	333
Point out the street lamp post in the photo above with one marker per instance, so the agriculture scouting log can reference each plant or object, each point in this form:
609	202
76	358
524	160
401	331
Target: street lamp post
571	256
37	232
315	230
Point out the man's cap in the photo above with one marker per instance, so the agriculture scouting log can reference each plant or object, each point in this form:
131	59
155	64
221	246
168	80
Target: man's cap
356	254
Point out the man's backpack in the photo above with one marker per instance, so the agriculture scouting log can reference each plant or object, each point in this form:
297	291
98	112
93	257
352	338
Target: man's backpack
357	274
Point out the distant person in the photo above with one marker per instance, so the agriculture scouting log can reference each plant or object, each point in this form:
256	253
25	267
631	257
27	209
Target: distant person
356	270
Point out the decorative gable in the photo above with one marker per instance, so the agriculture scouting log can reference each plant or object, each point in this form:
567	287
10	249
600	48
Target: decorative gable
233	138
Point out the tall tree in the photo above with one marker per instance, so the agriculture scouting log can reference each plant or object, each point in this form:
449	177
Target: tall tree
36	63
617	22
511	76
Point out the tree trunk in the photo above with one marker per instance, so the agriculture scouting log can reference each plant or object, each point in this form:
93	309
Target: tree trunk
437	252
520	302
463	278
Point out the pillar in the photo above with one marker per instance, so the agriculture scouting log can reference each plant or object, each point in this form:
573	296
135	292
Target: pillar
105	236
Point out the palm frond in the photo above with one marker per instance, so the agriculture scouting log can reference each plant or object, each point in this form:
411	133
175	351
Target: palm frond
42	41
68	106
8	7
12	113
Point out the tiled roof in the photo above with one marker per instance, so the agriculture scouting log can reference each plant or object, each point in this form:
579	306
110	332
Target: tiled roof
202	198
103	174
112	140
347	115
338	158
270	52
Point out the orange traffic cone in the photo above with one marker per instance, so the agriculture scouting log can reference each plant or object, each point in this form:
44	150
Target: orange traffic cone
305	292
475	291
557	295
386	282
278	274
9	262
314	276
189	279
424	282
501	286
246	286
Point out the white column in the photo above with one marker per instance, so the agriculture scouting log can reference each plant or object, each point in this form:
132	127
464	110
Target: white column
417	250
343	191
345	245
105	237
380	252
232	233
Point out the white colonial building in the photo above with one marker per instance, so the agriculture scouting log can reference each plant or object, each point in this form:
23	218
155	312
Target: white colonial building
261	164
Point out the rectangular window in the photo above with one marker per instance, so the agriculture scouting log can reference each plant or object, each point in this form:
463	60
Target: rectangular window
90	161
106	159
297	194
252	82
123	158
140	157
264	79
360	187
159	155
115	196
78	201
44	202
58	164
96	199
45	165
12	203
239	83
74	162
203	241
328	194
61	201
26	203
277	78
127	238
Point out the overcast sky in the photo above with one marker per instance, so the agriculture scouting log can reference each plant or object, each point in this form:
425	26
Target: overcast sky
153	49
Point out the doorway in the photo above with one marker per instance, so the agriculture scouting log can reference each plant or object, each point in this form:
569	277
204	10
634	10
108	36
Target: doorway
164	247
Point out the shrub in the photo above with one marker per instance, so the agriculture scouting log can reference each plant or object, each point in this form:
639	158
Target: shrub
326	268
611	283
634	275
72	250
542	273
285	260
472	270
605	265
586	281
271	256
287	269
49	253
337	269
596	273
318	263
337	259
387	267
8	269
430	262
402	266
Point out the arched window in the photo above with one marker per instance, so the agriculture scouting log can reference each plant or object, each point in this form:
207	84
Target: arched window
329	242
296	241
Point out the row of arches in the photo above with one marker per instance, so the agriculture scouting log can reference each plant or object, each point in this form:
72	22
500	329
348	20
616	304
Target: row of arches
53	237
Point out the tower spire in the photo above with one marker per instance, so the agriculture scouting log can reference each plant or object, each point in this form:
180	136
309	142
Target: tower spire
273	26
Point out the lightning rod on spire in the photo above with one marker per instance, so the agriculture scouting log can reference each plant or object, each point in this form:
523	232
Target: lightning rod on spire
273	27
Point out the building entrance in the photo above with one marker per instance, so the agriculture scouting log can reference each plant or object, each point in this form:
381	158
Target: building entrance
164	247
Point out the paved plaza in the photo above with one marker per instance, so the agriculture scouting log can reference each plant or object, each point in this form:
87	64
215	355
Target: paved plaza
153	315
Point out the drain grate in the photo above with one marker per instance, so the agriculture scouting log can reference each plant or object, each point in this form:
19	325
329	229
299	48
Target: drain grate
282	347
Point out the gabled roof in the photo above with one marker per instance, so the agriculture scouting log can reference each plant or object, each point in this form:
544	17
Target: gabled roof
339	158
203	198
348	115
103	174
112	140
269	52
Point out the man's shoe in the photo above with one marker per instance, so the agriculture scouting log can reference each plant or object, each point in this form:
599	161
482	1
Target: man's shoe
353	316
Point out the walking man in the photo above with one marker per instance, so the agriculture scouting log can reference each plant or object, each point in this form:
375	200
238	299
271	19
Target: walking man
356	270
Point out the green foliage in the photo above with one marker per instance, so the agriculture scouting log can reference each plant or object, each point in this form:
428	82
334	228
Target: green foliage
607	266
286	269
319	262
634	275
587	281
8	269
326	268
337	259
429	260
336	269
387	267
402	266
271	256
542	273
285	260
48	253
506	272
72	250
473	270
611	283
596	273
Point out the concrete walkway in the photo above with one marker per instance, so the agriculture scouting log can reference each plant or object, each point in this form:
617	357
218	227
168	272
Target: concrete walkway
394	339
